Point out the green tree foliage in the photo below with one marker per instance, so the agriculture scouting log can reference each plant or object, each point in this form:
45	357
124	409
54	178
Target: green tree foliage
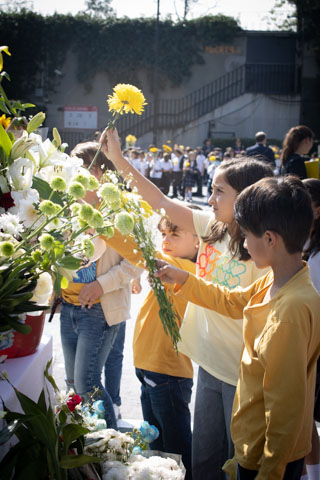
99	8
119	47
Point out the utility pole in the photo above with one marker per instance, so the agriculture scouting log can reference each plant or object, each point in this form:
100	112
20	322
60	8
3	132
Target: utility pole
155	77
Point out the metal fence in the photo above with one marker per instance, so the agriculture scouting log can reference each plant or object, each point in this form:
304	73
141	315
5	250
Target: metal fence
248	78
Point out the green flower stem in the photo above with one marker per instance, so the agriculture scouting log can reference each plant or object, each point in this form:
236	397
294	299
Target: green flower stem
111	124
38	230
7	101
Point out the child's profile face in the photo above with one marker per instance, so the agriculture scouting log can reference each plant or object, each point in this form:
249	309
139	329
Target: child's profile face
257	248
222	198
179	243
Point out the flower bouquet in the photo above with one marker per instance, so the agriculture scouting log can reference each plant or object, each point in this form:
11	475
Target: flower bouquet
57	443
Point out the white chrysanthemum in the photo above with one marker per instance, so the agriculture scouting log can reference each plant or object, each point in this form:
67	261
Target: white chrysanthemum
43	291
10	224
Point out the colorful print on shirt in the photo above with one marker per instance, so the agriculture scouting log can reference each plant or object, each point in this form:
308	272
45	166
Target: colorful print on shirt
87	274
217	268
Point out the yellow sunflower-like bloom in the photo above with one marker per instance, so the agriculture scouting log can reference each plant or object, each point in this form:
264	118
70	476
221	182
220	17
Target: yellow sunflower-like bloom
153	149
212	158
147	208
126	98
131	139
6	50
5	121
166	148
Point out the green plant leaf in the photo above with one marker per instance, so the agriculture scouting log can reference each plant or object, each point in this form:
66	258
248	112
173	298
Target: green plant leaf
45	191
73	461
5	141
71	432
4	108
69	262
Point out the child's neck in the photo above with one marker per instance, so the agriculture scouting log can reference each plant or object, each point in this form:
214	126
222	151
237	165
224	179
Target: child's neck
284	268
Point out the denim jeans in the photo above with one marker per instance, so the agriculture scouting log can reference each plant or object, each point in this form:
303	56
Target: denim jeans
165	403
86	342
292	472
113	366
211	441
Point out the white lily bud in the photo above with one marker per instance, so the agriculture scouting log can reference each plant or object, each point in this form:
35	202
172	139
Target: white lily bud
35	122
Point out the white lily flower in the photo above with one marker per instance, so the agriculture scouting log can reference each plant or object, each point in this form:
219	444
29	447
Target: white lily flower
4	184
20	174
21	146
31	196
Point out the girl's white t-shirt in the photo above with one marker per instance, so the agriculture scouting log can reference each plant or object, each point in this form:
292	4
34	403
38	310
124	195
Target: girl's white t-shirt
314	266
212	340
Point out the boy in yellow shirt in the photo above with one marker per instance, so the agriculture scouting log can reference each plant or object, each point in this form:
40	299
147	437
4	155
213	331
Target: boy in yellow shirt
273	407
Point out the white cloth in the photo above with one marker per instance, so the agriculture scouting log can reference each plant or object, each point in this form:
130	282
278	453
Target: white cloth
156	169
201	162
27	375
166	166
212	340
314	266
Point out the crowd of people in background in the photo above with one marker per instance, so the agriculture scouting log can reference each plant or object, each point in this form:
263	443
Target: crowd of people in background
182	171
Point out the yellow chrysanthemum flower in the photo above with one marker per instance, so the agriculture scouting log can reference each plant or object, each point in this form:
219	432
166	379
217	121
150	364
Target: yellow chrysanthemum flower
153	149
5	121
168	141
6	50
181	147
166	148
126	98
147	208
131	139
212	158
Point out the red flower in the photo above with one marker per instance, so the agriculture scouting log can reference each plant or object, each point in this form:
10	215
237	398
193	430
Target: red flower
73	401
6	201
71	405
77	399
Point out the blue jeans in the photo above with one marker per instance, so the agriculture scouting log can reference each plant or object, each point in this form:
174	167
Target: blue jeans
113	366
292	472
86	342
211	441
165	403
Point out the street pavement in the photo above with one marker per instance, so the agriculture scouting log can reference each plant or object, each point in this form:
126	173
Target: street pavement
130	386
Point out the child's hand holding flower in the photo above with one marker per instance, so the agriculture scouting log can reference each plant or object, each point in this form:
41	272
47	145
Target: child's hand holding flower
169	274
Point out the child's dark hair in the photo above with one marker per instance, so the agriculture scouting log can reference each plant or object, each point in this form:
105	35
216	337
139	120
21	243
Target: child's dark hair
313	187
87	151
165	222
280	204
239	172
292	141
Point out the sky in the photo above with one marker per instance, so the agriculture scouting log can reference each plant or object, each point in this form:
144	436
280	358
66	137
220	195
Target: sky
254	14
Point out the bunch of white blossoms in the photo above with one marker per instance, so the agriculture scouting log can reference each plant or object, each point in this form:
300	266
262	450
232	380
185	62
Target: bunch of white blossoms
109	444
140	468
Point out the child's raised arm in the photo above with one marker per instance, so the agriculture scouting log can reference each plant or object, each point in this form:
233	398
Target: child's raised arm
205	294
178	214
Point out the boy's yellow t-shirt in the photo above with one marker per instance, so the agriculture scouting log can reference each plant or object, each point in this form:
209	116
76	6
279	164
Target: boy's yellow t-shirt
273	408
152	347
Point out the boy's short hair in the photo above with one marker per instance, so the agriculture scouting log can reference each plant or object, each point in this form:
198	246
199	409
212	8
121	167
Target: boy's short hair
280	204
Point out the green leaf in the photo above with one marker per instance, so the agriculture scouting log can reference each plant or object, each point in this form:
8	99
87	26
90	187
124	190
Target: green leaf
3	157
71	432
73	461
42	402
5	141
5	75
50	377
4	108
45	191
8	430
69	262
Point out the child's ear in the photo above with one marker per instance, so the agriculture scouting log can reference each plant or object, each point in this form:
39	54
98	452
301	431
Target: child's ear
270	237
